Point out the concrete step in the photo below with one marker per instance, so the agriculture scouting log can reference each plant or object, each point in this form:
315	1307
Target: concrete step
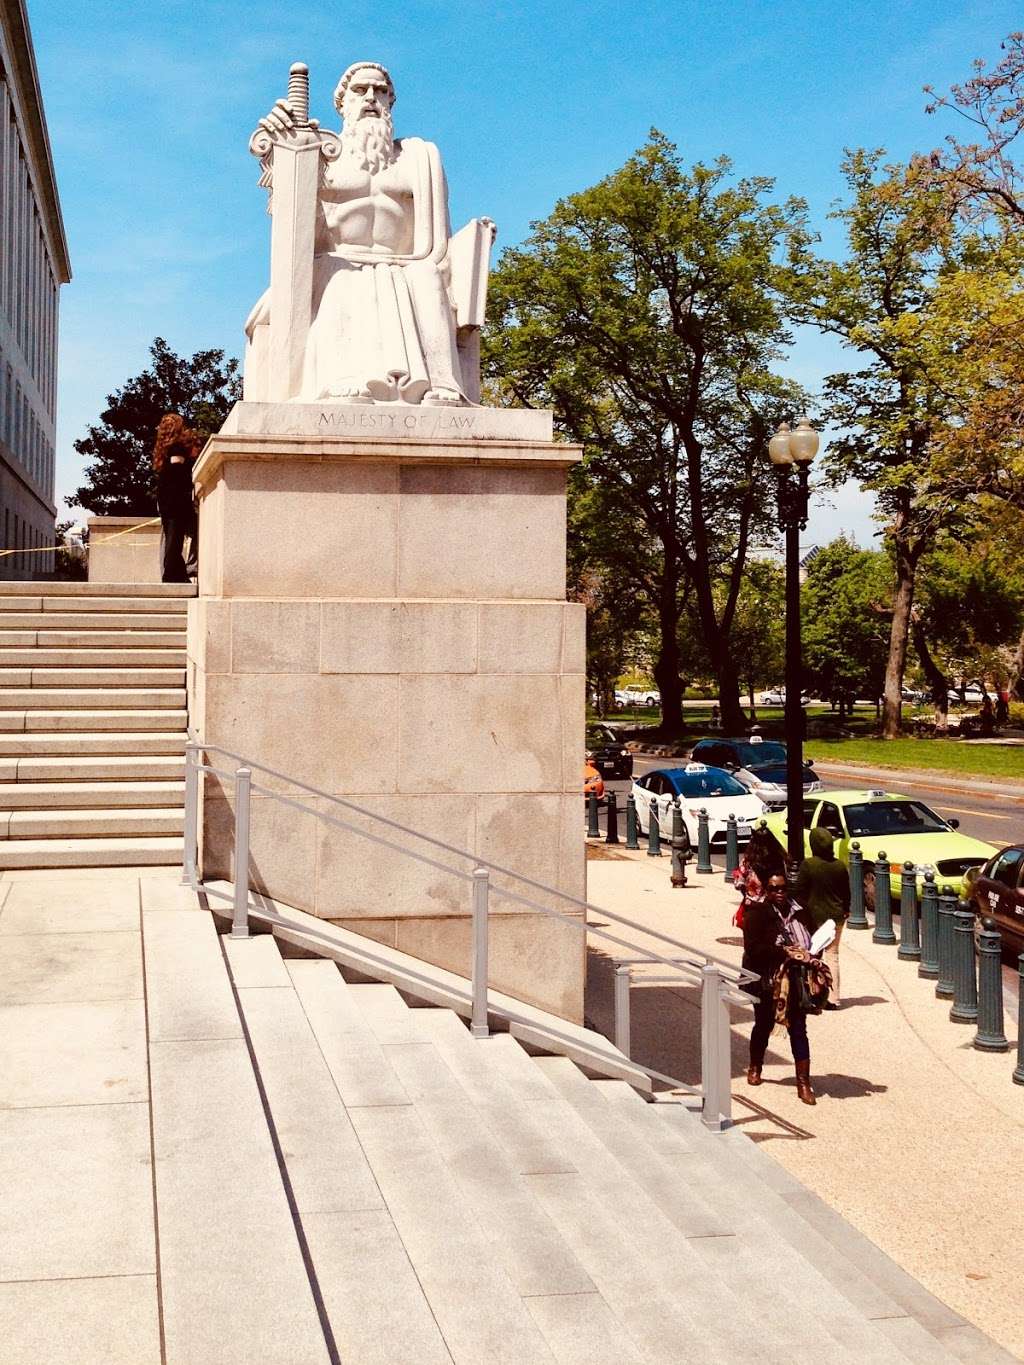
164	606
855	1313
31	658
86	621
378	1312
537	1260
234	1286
92	639
644	1268
57	770
107	744
17	722
160	851
96	795
740	1248
91	822
436	986
51	588
479	1313
74	677
91	698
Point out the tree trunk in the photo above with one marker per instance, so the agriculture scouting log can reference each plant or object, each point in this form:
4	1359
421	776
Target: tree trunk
937	680
734	722
1015	685
902	605
666	667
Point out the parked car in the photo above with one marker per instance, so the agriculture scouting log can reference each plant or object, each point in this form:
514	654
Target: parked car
697	786
760	764
996	890
637	696
901	827
972	696
592	781
606	751
775	696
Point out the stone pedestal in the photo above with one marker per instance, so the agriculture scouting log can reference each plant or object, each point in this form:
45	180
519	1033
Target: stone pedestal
124	550
382	615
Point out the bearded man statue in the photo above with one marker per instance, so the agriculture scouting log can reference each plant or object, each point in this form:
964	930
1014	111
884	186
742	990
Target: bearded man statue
386	322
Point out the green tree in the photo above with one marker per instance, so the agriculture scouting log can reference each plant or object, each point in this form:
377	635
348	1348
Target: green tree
758	641
844	608
119	480
900	237
647	311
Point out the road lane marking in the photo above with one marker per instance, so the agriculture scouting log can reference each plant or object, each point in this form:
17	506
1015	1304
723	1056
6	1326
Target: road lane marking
983	814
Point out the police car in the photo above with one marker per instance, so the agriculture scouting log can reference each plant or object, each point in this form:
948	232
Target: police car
696	787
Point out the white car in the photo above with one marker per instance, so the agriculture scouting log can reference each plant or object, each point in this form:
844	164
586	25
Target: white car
775	696
637	696
697	786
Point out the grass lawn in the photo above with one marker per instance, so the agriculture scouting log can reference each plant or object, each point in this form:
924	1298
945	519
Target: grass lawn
940	755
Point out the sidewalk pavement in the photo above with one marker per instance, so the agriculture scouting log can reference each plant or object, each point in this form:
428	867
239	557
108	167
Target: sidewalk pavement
916	1137
78	1263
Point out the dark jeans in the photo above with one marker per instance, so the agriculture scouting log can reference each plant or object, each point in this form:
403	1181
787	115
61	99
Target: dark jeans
764	1020
173	530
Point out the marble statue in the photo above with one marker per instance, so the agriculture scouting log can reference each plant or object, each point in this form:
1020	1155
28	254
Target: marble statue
371	298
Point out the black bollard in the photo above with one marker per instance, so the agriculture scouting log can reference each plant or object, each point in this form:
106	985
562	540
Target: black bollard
593	828
653	830
947	916
910	931
991	1036
732	849
965	976
1018	1070
883	903
612	810
703	842
858	918
631	826
680	846
929	964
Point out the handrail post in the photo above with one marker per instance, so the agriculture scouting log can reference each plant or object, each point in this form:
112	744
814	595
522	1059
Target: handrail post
240	919
623	976
190	845
715	1052
481	892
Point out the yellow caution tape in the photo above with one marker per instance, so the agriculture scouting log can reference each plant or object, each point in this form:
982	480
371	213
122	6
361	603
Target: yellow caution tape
52	549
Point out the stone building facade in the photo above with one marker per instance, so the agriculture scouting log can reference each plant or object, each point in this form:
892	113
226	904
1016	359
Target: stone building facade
33	265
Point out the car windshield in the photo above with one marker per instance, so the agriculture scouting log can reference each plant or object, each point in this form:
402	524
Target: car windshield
711	782
893	817
758	755
598	735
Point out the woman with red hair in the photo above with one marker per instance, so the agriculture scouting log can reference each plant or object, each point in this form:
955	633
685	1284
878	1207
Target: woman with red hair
174	454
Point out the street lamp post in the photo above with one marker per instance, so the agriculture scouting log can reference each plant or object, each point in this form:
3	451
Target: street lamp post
791	453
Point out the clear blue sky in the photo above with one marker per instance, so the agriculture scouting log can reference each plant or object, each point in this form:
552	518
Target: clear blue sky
150	108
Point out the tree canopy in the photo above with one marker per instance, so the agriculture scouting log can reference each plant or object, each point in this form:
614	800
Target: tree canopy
647	311
119	480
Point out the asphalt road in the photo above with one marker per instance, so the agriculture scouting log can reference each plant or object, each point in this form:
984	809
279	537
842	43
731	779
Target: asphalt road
997	820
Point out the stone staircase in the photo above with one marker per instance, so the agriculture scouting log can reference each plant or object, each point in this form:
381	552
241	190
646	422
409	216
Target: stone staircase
340	1176
92	724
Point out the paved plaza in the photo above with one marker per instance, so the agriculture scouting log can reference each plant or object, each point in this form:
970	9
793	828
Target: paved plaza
916	1136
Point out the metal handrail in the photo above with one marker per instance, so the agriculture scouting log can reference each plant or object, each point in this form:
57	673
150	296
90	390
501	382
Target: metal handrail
741	973
718	987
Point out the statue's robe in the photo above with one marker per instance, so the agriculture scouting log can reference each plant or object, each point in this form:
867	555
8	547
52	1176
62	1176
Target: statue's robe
388	325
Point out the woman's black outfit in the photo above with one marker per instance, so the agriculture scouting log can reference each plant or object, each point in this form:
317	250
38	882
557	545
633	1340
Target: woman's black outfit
766	931
178	518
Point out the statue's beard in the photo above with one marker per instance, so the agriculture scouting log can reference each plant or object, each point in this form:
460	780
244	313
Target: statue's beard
371	141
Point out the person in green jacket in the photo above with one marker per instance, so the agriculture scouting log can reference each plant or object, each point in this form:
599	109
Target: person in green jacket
823	889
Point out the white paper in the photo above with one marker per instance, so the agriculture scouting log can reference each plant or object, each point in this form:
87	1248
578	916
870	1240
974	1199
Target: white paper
823	936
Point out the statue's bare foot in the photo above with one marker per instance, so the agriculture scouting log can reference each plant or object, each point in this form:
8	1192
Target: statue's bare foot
349	393
442	398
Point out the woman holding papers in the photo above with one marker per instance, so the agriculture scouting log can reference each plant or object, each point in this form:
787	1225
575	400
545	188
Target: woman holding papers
777	945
